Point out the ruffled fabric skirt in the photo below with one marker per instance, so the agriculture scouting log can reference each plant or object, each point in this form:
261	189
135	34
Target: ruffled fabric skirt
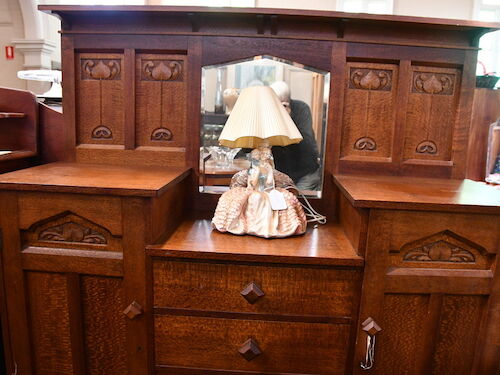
246	211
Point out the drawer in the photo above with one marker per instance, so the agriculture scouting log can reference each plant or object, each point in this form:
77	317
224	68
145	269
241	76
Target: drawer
214	343
287	289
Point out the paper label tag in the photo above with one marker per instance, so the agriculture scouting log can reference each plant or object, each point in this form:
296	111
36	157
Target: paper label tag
277	200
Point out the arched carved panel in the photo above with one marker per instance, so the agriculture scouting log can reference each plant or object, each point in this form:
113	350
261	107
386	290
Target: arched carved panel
68	230
102	132
444	250
161	134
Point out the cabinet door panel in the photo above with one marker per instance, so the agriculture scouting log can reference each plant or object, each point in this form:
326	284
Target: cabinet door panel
77	324
457	335
50	323
104	325
428	289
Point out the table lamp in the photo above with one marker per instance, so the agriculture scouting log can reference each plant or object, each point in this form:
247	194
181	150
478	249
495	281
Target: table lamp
260	200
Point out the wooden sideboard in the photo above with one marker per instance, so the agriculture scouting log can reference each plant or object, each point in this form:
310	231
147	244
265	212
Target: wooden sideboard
109	262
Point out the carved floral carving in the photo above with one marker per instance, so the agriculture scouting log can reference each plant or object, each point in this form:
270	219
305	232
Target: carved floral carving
370	79
433	83
439	251
72	232
161	134
161	70
426	147
102	132
101	69
365	144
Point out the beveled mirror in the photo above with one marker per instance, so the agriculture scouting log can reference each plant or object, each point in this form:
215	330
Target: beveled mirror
302	90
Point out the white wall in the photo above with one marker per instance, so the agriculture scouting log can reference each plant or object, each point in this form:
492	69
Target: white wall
52	25
298	4
458	9
11	28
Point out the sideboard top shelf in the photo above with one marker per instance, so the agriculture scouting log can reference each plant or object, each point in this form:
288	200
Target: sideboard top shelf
324	245
339	16
412	193
94	179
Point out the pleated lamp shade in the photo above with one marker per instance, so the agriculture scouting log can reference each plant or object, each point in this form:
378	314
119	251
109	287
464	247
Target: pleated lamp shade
258	116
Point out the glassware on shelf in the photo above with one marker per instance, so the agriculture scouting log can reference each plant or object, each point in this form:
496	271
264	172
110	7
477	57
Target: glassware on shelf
493	156
223	156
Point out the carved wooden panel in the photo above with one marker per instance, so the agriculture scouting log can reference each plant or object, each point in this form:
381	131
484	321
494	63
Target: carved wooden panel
99	95
430	113
104	325
369	111
444	249
50	328
71	231
457	335
161	95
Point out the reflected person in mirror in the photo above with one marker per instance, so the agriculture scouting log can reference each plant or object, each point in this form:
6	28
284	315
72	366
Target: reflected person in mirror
299	161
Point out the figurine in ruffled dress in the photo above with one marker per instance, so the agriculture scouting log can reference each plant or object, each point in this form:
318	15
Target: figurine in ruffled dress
247	209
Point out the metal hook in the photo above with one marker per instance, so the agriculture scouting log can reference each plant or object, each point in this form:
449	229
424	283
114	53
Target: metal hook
371	328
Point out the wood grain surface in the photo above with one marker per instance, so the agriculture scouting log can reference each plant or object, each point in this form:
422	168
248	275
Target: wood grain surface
301	348
419	193
94	179
287	290
325	245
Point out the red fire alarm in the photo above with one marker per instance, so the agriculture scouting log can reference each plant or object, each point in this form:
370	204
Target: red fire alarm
9	52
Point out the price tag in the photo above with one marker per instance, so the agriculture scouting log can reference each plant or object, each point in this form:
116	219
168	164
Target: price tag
277	200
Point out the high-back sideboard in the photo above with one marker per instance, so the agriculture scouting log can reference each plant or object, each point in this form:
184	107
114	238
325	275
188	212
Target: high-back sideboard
110	265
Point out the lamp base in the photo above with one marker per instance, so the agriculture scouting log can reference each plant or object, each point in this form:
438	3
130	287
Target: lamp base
247	209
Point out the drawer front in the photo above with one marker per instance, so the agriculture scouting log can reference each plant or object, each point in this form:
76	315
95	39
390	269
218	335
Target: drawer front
285	347
287	290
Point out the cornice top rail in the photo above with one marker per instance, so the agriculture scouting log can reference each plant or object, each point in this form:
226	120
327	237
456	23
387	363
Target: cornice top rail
62	10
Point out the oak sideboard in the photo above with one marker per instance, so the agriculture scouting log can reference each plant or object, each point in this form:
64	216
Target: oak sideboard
109	261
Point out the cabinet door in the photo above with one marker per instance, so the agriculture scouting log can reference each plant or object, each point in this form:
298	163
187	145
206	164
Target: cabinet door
427	295
65	285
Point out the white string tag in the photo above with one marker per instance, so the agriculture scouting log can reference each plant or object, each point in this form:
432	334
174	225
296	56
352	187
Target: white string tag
277	200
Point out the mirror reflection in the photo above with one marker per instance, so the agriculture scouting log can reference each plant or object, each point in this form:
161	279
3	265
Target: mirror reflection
303	91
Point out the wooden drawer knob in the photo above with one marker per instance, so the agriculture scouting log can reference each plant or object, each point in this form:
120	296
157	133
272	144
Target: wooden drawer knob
133	310
249	350
252	293
370	326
